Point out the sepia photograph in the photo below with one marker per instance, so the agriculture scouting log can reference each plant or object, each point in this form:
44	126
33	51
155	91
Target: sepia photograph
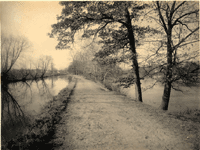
100	75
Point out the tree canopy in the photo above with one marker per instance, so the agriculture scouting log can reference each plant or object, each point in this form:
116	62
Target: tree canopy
93	17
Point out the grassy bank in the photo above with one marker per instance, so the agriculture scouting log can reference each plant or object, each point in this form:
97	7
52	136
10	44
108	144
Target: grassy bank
41	132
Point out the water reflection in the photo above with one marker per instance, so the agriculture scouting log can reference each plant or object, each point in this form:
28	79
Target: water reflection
21	102
13	117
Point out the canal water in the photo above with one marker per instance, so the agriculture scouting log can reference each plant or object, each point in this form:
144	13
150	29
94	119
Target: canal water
186	99
22	102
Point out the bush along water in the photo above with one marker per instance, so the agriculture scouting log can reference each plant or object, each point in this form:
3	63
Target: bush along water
41	133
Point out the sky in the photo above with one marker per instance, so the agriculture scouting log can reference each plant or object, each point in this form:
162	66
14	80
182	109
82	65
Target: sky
33	20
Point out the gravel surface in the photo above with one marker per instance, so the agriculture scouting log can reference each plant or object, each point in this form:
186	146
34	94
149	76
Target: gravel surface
98	119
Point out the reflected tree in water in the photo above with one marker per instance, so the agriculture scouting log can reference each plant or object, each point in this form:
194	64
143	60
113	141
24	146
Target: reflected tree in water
43	89
12	115
16	100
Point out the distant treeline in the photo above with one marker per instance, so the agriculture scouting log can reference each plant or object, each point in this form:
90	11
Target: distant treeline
28	74
187	73
12	51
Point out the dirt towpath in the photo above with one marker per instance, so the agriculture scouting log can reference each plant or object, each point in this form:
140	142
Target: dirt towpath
98	119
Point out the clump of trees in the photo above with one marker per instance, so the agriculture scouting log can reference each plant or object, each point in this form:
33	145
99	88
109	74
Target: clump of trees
12	50
92	68
41	66
120	28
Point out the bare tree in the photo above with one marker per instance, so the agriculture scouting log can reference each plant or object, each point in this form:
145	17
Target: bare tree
11	49
45	64
179	22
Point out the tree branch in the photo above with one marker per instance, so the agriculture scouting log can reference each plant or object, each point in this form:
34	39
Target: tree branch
187	14
149	87
189	43
172	10
99	29
161	17
154	53
185	25
176	89
177	45
177	8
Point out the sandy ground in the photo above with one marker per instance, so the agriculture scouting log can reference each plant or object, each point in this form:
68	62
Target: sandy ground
98	119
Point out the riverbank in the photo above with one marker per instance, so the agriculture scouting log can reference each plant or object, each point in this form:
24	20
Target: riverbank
41	131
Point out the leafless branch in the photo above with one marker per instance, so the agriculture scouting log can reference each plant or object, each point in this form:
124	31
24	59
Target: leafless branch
161	17
99	29
177	45
174	10
186	14
154	53
176	89
185	25
150	87
189	43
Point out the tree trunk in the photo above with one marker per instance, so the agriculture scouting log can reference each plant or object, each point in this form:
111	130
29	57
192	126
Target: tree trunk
136	93
166	96
167	87
134	58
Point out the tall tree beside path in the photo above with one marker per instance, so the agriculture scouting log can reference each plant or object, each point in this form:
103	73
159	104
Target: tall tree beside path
97	18
180	23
